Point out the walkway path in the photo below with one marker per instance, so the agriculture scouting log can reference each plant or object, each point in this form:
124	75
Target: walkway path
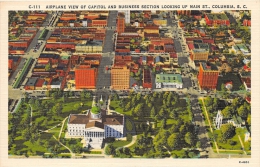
209	123
134	138
50	128
72	154
62	127
242	144
31	115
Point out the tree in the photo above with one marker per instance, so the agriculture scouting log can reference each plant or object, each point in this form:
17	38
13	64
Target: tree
31	101
172	141
208	101
70	93
242	112
163	123
128	106
138	110
198	145
47	93
109	150
54	95
173	114
64	98
88	95
82	95
189	138
192	154
227	131
162	112
248	120
76	148
115	97
223	88
48	67
26	134
37	103
226	112
153	112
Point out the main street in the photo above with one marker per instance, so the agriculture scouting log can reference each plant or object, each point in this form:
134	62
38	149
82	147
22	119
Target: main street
104	75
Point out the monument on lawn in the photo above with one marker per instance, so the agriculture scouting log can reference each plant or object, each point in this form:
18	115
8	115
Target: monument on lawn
219	119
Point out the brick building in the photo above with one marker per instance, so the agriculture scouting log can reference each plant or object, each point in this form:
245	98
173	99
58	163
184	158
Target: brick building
208	76
147	80
213	19
120	23
85	77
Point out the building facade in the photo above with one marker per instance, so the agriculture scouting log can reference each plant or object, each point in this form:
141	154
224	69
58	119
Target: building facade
168	81
199	54
120	77
120	23
214	19
95	126
208	76
85	77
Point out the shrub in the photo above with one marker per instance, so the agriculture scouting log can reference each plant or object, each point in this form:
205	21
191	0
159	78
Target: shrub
129	125
128	137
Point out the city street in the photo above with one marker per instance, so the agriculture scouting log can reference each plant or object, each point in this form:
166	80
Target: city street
104	76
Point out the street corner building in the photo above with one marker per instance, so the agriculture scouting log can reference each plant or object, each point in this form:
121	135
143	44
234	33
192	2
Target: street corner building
169	81
208	76
95	126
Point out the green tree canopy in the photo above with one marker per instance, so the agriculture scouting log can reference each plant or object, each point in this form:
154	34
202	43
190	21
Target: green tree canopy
242	111
109	150
173	141
227	131
226	112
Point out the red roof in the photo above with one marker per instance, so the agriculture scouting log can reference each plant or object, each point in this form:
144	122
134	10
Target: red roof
191	46
230	82
246	68
248	99
173	55
39	83
208	40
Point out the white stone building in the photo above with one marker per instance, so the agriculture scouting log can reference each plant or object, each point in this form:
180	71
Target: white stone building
95	126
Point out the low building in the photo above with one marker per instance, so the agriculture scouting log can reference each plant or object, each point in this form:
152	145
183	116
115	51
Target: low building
214	19
95	126
30	85
246	80
168	81
147	80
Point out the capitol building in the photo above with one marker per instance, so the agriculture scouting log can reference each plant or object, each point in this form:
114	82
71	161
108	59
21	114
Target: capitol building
95	126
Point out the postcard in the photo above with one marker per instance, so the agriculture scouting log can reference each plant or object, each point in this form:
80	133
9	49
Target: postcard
129	83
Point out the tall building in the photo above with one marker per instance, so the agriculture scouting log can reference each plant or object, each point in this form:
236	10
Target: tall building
120	23
120	77
127	15
85	77
208	76
199	54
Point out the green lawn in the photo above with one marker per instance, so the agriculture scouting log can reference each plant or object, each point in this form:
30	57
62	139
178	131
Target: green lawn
168	122
120	143
45	119
35	147
204	112
117	108
226	145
